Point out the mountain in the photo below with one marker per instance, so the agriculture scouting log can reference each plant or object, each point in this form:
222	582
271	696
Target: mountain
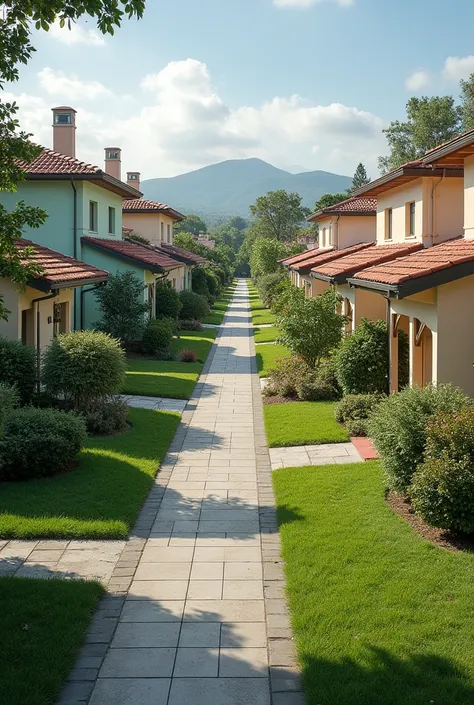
229	188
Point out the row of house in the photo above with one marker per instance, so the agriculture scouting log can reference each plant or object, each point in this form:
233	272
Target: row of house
92	218
402	249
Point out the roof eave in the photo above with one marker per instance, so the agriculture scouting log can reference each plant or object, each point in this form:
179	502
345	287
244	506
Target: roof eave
120	187
322	277
449	148
156	269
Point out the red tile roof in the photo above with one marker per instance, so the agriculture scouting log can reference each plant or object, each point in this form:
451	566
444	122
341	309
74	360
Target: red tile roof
420	264
141	205
175	251
351	206
146	256
307	254
58	270
344	267
325	256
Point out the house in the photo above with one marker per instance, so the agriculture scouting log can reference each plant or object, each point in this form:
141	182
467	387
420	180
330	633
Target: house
428	292
46	305
84	206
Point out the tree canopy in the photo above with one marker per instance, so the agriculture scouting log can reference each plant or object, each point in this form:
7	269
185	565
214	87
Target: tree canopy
360	178
279	215
192	224
467	102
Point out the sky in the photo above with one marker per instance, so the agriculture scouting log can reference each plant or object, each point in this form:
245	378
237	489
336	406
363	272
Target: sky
302	84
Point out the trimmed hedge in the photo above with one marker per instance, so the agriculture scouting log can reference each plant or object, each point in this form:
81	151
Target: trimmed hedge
18	367
194	306
157	336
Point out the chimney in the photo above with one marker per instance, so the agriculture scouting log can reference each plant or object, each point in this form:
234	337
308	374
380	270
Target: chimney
113	164
64	130
133	179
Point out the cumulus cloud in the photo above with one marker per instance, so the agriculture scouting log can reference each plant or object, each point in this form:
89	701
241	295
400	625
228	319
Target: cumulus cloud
77	34
417	81
457	67
178	122
56	83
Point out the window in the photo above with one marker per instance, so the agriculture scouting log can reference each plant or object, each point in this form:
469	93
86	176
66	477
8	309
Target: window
410	218
111	220
62	119
112	155
162	235
330	236
93	216
323	238
388	223
168	233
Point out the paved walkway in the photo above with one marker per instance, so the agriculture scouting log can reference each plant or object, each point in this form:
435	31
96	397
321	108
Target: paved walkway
199	616
323	454
160	403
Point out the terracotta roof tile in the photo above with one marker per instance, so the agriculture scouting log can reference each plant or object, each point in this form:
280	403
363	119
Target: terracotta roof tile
349	264
307	254
355	204
49	162
141	205
175	251
145	255
420	264
326	256
59	269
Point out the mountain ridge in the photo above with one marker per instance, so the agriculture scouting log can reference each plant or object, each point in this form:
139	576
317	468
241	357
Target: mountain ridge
229	187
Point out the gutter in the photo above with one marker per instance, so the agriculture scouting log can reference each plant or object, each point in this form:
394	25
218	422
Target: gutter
74	229
37	301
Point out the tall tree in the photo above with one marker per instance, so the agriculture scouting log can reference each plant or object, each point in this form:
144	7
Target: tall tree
430	121
18	19
359	179
467	102
279	215
328	200
192	224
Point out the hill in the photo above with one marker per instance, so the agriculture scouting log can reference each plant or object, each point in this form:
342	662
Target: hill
229	188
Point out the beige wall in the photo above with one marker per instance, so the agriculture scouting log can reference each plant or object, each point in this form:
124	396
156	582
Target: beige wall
176	277
149	225
318	287
17	301
345	231
365	304
469	197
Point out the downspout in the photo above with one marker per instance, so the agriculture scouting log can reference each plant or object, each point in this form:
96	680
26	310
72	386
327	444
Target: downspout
337	229
37	301
435	186
389	363
74	229
86	291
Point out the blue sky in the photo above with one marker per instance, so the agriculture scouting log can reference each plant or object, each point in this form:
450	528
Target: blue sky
296	82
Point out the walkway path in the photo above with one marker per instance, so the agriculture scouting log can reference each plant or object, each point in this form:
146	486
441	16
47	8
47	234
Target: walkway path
199	616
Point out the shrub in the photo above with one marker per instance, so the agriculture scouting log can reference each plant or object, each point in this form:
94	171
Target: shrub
157	336
354	411
451	435
195	306
285	379
213	283
187	355
122	307
398	428
363	357
9	399
199	283
168	303
310	327
18	367
84	366
190	325
271	285
39	443
106	416
310	388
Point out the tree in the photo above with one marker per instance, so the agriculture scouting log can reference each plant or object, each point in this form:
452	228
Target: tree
191	224
430	121
122	307
467	102
279	215
328	200
17	21
310	327
266	253
359	179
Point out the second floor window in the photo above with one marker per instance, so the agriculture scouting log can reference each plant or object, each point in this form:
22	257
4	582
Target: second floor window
111	220
388	223
93	207
411	208
162	232
168	233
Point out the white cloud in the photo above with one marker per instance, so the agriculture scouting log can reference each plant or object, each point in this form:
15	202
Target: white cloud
304	4
56	83
178	122
417	81
78	34
457	67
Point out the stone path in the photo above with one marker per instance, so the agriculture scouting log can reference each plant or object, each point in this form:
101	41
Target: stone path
197	615
324	454
161	403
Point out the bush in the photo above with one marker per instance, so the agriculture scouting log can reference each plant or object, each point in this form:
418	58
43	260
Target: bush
9	399
398	428
122	307
168	304
187	355
157	336
363	357
39	443
106	416
195	306
286	378
354	411
190	325
83	367
313	389
213	283
18	367
271	285
199	283
451	435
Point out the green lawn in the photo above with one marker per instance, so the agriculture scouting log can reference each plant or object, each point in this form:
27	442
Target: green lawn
199	341
380	615
161	378
302	423
266	335
262	317
267	356
35	661
219	308
101	498
255	303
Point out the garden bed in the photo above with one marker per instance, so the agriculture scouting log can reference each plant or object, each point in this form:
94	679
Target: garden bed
102	497
268	356
300	423
43	624
380	615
